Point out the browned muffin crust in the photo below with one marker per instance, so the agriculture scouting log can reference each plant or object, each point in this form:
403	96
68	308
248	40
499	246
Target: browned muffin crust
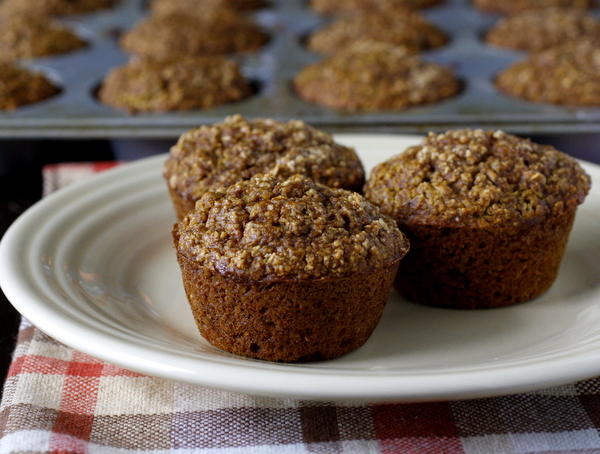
20	86
374	76
217	31
568	75
400	27
24	36
488	215
222	154
184	83
349	6
535	30
287	270
199	6
515	6
53	7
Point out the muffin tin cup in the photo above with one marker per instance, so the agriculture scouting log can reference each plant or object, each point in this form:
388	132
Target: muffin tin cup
75	111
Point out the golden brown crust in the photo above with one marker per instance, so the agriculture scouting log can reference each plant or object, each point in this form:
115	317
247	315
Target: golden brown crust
20	86
475	178
216	32
184	83
222	154
194	6
374	76
349	6
24	36
566	75
515	6
53	7
287	269
535	30
401	27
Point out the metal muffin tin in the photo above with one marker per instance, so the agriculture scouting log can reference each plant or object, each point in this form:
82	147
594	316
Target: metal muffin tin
75	112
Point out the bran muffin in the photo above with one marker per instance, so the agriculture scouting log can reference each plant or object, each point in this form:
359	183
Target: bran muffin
183	83
287	269
567	75
24	36
214	32
169	6
53	7
515	6
20	86
488	216
374	76
222	154
535	30
329	7
400	27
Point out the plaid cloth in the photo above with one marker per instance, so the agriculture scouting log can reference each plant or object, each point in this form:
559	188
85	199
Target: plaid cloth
59	400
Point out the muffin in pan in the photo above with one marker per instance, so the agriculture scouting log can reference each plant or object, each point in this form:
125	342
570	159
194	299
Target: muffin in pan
488	216
222	154
183	83
536	30
515	6
401	27
375	76
287	269
329	7
212	32
24	36
568	75
20	86
53	7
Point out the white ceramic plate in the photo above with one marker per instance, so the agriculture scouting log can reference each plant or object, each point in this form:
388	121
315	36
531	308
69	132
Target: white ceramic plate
93	266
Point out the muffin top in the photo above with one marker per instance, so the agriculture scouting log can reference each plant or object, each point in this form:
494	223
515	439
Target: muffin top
20	86
222	154
515	6
349	6
568	74
272	229
402	27
182	83
29	36
535	30
475	178
53	7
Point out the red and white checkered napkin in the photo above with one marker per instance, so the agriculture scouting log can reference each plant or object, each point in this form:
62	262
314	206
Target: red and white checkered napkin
59	400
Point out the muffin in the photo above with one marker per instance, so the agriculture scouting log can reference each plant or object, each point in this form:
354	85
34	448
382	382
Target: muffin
515	6
53	7
329	7
287	269
24	36
535	30
20	86
400	27
183	83
370	76
214	32
488	216
567	75
169	6
222	154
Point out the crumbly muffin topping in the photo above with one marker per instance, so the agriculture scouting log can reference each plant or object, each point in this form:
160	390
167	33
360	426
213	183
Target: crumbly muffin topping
222	154
169	6
535	30
346	6
30	36
477	178
402	27
267	229
568	74
183	83
374	76
53	7
20	86
514	6
216	31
